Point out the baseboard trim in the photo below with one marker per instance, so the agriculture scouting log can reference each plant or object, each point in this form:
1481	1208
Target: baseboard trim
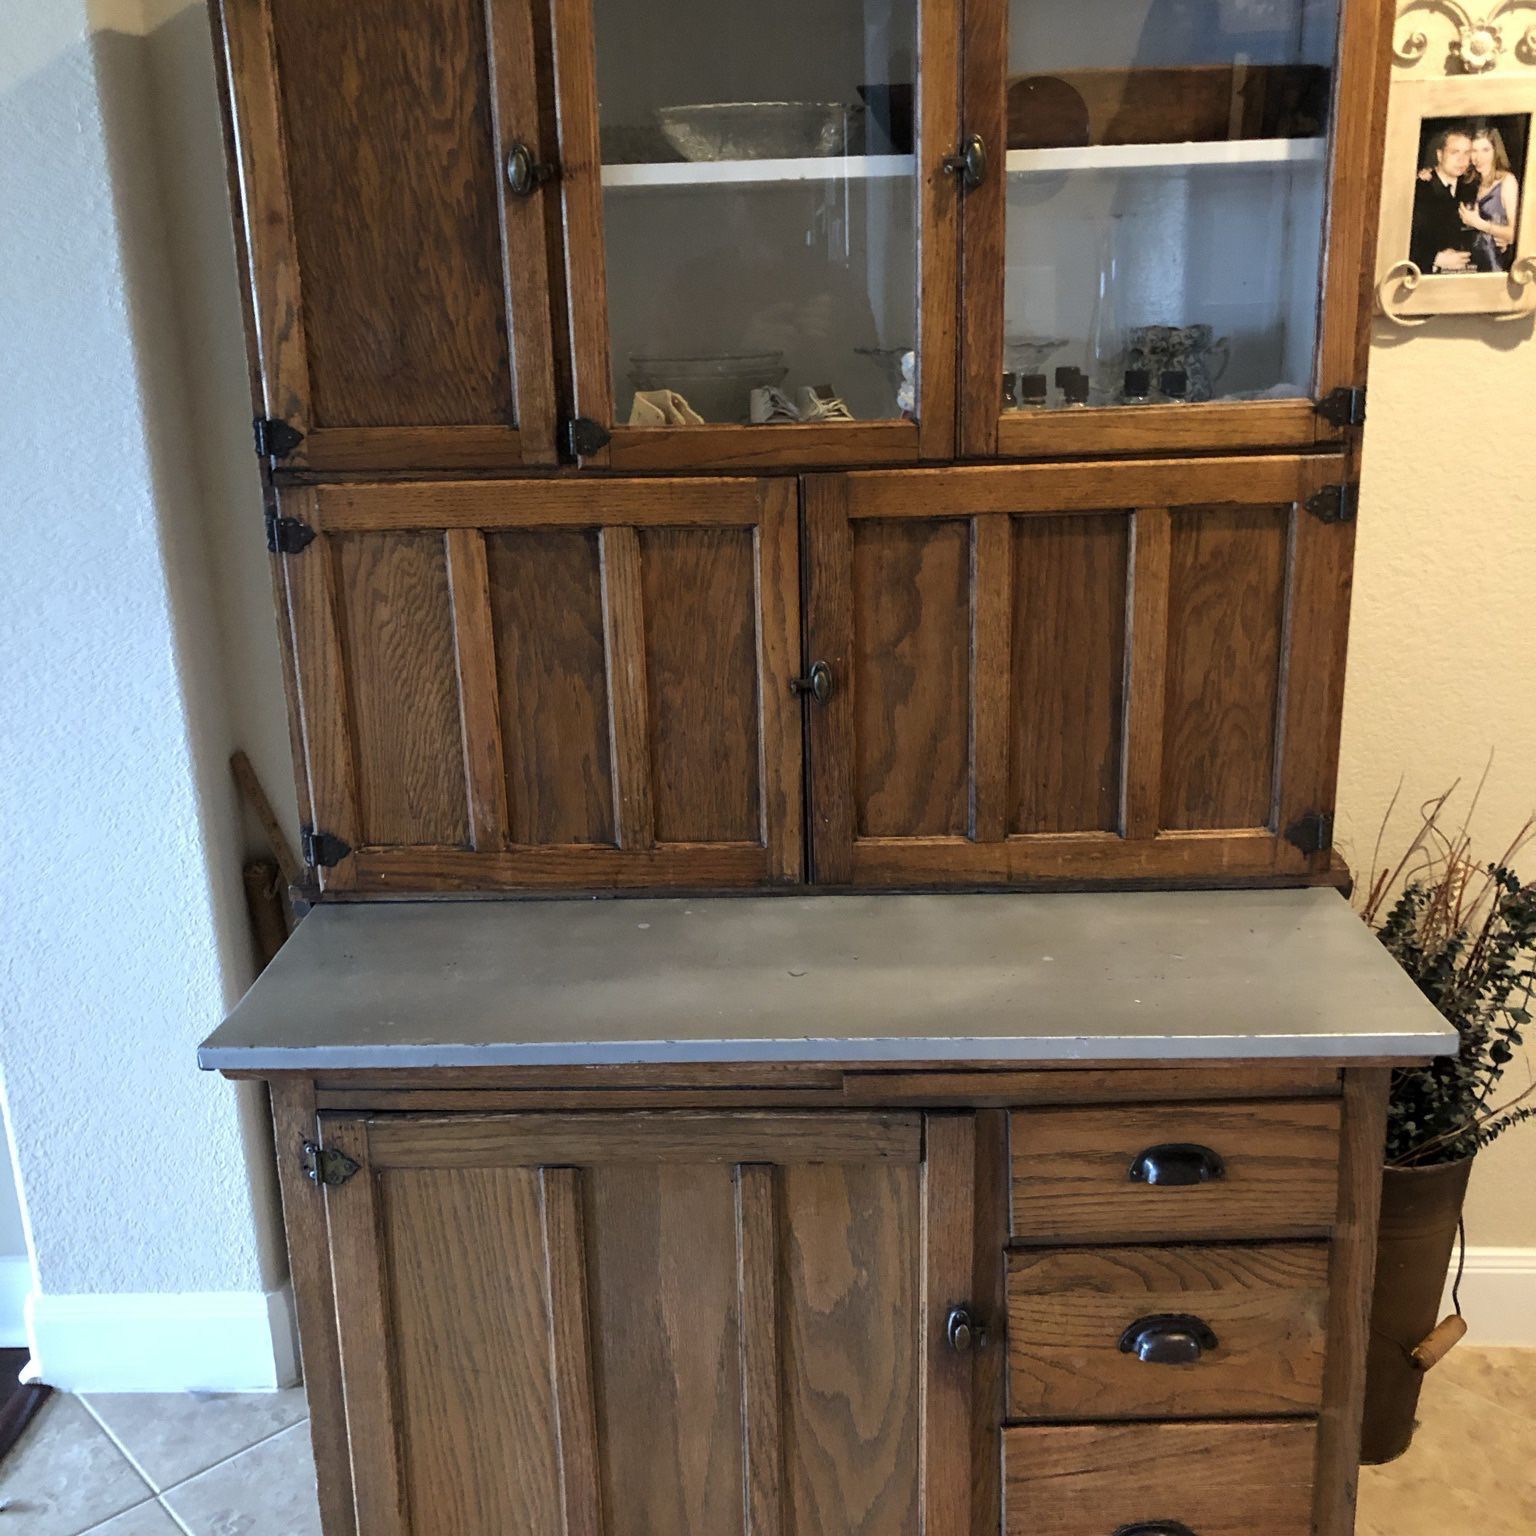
219	1341
15	1287
1498	1297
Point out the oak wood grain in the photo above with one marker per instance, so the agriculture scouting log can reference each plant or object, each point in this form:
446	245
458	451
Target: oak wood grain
629	727
468	1141
992	682
1068	673
1068	1309
1226	607
752	449
1071	1172
911	666
1208	426
989	1299
571	867
780	715
1151	546
937	135
1218	1479
546	615
474	644
397	645
757	1293
464	1250
314	1300
1351	1275
363	1322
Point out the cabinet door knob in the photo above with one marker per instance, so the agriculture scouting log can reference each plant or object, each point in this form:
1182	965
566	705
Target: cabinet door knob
1170	1338
970	165
964	1331
1155	1528
525	174
817	682
1178	1162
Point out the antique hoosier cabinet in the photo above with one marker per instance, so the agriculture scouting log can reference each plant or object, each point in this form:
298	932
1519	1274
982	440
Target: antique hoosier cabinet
774	461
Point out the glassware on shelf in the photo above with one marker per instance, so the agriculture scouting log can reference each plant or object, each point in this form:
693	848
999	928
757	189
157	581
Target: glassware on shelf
1073	384
1188	349
1025	357
1106	342
1032	391
1137	389
1173	385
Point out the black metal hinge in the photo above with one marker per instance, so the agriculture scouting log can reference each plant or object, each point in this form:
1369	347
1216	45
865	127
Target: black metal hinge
325	1165
288	535
1312	833
321	850
275	439
1335	503
1344	407
584	436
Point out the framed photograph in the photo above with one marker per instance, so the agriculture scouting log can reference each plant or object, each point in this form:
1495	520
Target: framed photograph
1458	236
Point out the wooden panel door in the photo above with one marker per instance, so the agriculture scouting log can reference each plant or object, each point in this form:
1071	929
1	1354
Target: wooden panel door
400	286
544	683
655	1324
1074	672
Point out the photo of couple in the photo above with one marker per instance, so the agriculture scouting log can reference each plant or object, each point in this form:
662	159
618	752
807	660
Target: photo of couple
1466	201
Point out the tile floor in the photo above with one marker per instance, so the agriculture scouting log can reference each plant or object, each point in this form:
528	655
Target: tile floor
216	1465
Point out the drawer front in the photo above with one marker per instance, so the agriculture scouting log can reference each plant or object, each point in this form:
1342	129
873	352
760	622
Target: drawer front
1271	1171
1071	1311
1216	1479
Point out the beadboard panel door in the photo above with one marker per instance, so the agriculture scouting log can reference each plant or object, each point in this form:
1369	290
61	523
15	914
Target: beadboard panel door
1074	671
400	286
655	1324
550	684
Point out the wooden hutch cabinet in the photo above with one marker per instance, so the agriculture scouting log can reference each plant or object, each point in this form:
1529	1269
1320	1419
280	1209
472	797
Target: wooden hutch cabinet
832	446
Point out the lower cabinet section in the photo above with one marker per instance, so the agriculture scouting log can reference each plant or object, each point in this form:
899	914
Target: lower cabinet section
1159	1480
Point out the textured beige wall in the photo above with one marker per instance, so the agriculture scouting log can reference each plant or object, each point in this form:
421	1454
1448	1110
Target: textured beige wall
1442	649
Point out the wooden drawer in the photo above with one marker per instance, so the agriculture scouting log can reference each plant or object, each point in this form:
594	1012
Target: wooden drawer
1217	1479
1274	1166
1070	1308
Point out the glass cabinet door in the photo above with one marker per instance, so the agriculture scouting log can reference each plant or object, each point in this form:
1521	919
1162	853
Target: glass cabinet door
743	221
1168	204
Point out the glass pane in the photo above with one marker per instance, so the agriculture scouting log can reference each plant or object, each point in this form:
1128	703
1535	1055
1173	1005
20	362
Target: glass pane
758	205
1166	165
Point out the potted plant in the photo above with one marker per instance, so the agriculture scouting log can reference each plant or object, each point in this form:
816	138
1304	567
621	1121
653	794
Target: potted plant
1466	933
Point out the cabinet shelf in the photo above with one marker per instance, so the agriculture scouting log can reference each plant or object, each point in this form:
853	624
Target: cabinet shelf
703	173
1128	157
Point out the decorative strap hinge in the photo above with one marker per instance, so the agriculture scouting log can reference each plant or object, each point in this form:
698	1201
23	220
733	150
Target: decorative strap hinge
1312	833
325	1165
1344	407
1335	503
275	439
584	437
288	535
321	850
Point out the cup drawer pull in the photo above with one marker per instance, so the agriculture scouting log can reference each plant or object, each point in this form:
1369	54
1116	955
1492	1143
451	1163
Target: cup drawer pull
1171	1338
1175	1163
1155	1528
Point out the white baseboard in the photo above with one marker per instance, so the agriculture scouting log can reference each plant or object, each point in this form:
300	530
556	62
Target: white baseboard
15	1287
218	1341
1498	1297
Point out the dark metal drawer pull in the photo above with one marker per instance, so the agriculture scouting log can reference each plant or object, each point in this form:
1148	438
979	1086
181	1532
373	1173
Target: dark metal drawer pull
1155	1528
1170	1338
1177	1162
965	1331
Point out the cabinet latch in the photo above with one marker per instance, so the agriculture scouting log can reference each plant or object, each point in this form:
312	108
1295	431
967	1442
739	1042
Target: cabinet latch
325	1165
275	439
584	437
321	850
1312	833
970	165
1335	503
1344	407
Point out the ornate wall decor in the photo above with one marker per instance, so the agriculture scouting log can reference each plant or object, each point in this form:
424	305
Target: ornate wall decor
1458	234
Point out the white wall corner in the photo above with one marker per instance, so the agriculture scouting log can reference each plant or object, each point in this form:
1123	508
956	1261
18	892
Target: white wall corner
1498	1297
213	1341
15	1288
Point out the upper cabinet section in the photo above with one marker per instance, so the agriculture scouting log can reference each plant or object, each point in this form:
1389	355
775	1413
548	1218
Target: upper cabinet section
399	281
1170	254
495	234
760	238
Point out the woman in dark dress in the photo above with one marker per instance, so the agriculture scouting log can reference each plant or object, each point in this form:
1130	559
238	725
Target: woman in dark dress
1493	212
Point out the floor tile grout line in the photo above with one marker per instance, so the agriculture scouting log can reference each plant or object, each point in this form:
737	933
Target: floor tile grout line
233	1455
175	1519
122	1449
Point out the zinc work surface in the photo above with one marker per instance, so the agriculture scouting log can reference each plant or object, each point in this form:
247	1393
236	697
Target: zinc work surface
1102	977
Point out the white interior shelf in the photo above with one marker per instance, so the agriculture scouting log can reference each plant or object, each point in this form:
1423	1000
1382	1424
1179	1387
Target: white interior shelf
701	173
1125	157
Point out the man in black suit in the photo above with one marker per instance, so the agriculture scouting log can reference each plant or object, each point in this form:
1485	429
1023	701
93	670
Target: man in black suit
1440	242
